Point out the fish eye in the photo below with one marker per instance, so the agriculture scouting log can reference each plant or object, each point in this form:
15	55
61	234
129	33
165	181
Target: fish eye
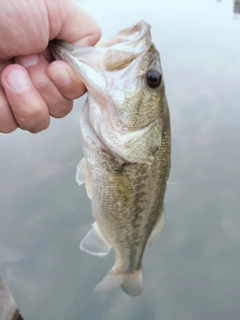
154	79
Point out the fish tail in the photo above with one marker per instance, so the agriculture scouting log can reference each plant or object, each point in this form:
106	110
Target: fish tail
131	283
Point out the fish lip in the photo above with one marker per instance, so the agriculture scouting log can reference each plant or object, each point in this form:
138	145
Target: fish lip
119	42
119	38
128	44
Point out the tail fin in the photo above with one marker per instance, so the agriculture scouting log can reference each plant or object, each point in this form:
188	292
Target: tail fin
131	283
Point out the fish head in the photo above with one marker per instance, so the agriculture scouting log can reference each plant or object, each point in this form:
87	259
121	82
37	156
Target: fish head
123	74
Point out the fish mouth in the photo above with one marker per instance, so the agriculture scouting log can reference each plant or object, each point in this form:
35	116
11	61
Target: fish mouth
97	66
130	36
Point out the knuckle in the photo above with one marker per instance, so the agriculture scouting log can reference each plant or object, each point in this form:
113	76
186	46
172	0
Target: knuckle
35	127
60	111
8	128
30	114
33	119
40	128
74	91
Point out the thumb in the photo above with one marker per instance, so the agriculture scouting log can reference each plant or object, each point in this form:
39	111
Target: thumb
69	22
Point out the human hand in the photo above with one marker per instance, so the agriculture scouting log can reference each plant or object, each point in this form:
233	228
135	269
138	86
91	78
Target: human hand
34	86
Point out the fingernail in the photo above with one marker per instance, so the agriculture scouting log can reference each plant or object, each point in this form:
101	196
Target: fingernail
18	80
30	60
60	77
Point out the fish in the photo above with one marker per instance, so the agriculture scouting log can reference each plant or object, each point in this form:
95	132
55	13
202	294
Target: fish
126	140
8	307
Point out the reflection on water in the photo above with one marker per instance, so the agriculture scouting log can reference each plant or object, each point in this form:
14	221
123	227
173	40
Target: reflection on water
192	272
236	8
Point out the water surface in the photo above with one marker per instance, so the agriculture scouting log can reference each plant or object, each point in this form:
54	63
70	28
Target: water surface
192	272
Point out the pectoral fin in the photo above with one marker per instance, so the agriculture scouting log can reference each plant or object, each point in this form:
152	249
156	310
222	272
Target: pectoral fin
158	228
81	172
94	243
83	176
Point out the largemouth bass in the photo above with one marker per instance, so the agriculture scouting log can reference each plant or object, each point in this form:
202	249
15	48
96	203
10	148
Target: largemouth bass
125	131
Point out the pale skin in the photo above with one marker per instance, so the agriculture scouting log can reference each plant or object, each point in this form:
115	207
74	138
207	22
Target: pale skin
33	86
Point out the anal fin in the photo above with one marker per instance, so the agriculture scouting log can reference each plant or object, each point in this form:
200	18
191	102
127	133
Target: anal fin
94	243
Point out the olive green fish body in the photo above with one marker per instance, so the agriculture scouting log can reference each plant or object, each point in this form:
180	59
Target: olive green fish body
125	132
